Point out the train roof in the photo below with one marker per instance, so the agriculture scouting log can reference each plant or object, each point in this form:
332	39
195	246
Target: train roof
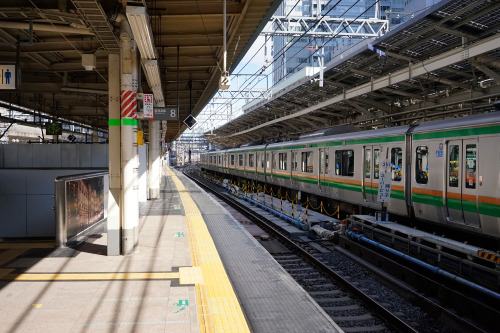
393	131
474	120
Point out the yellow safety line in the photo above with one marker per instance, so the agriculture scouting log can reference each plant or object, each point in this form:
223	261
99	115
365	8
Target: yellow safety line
218	308
89	276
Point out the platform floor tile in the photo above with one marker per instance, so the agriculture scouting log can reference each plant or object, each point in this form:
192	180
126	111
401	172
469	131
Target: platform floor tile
271	299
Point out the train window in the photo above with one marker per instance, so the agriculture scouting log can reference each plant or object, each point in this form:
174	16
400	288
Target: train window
220	160
251	160
268	161
344	162
240	160
326	163
470	166
454	166
397	164
307	162
376	163
232	159
274	161
422	165
368	162
294	161
282	161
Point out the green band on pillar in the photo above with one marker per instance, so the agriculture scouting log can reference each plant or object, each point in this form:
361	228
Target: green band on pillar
114	122
129	122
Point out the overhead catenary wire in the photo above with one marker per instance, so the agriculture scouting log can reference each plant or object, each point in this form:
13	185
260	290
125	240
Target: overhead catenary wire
288	45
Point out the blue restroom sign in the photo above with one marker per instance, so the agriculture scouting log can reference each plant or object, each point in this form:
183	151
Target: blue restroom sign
7	76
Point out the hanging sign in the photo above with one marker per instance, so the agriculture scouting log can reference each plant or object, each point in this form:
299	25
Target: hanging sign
148	105
7	76
385	179
161	113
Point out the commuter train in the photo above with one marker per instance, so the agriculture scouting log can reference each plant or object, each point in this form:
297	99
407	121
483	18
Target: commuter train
446	171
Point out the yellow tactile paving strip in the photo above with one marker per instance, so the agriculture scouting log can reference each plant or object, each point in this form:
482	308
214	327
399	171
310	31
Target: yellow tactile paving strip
218	308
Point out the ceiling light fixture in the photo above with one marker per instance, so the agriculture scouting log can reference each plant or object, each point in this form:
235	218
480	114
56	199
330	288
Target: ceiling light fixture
141	28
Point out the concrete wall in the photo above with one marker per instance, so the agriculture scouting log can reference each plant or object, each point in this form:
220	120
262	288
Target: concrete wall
27	202
14	156
27	173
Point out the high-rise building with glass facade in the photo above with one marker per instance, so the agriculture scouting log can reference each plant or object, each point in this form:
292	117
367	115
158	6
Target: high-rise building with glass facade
291	53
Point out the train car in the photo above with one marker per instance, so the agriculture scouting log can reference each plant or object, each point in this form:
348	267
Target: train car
456	173
446	172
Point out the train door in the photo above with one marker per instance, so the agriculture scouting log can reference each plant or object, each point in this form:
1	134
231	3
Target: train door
370	173
461	190
323	170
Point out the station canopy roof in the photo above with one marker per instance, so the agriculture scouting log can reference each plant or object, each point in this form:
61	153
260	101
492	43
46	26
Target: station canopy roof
444	62
47	39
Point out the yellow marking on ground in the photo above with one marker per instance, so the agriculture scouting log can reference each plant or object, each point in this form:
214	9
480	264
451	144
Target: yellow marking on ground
27	245
190	275
9	255
37	305
89	276
218	307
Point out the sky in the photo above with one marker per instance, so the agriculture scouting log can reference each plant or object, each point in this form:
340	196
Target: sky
254	60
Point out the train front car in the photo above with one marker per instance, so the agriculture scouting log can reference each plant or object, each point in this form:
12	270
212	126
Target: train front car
456	178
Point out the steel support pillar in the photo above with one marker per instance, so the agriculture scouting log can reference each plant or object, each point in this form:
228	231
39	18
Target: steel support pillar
114	221
130	206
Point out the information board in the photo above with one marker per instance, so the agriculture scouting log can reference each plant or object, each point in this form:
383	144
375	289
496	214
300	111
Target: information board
162	113
385	180
147	105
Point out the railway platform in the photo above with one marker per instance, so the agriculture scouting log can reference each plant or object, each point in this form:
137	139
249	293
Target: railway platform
195	269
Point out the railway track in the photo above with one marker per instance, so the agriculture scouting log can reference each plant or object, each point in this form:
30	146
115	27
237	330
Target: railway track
357	295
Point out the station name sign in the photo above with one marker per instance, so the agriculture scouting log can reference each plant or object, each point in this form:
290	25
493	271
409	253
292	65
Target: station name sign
165	113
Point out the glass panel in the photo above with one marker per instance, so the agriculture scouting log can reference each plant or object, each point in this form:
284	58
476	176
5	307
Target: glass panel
268	161
368	162
274	161
240	160
322	162
232	159
338	161
397	164
470	167
326	163
282	161
251	160
454	165
376	163
307	162
347	163
422	165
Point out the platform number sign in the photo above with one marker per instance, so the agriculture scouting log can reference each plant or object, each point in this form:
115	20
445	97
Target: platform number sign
148	105
166	113
385	179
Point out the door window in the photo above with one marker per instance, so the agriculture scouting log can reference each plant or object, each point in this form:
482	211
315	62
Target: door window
470	167
422	165
397	164
368	162
454	162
